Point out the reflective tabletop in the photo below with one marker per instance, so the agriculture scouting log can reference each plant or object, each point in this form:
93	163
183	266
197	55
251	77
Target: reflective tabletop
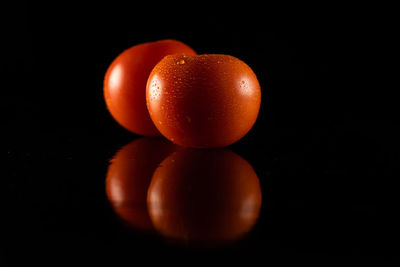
295	195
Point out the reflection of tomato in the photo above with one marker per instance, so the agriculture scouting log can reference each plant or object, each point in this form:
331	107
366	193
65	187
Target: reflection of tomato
129	176
204	100
125	83
209	196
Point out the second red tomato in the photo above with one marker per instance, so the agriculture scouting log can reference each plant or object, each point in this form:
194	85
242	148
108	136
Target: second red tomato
125	83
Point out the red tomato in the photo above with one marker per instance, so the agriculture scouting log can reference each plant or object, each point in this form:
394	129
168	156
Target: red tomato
129	176
203	101
204	196
125	83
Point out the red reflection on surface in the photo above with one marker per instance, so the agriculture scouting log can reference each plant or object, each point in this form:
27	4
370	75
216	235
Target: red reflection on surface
204	196
129	176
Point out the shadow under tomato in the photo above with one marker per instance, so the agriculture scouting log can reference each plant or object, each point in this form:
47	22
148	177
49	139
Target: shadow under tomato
204	197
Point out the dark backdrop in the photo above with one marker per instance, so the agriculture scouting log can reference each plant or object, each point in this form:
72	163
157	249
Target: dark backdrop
324	145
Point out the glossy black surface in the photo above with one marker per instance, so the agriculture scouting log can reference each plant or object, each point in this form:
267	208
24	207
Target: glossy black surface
325	146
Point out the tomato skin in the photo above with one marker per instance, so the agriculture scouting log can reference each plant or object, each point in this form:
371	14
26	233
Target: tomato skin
129	175
125	83
205	197
203	101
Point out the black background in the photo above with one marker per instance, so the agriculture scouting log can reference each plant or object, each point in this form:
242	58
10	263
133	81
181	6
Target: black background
324	145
